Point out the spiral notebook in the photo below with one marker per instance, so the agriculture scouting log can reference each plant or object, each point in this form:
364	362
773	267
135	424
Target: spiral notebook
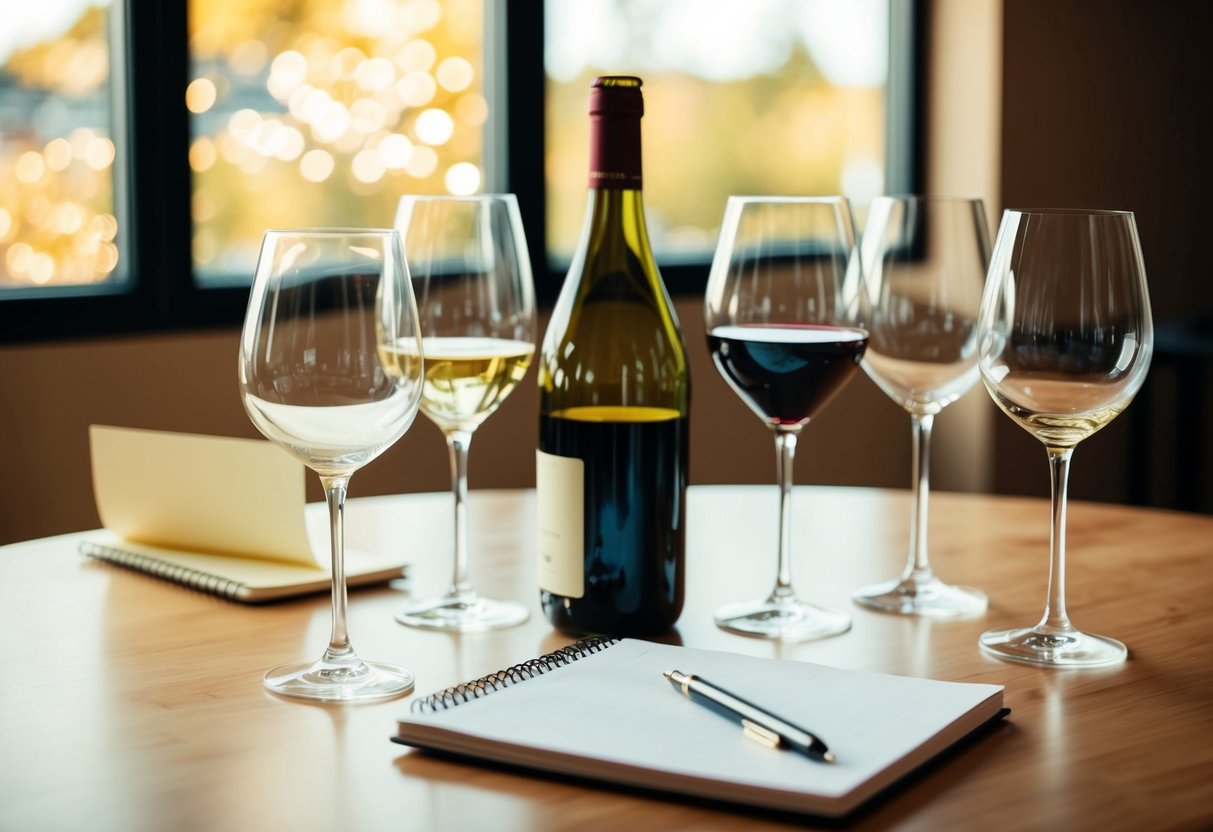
602	710
217	514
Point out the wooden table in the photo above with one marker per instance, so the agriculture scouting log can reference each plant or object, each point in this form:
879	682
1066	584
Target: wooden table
132	704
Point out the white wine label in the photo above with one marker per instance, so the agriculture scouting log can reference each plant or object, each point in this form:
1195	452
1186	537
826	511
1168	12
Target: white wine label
560	485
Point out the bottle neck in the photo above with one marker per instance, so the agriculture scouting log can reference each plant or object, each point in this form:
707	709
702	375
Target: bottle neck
615	152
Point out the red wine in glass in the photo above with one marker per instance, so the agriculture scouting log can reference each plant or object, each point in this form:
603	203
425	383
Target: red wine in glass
787	373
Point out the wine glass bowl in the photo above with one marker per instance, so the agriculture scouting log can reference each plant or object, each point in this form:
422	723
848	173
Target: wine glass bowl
924	266
1065	339
322	376
471	272
785	315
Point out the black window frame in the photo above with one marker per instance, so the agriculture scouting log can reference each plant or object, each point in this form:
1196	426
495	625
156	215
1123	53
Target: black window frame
162	295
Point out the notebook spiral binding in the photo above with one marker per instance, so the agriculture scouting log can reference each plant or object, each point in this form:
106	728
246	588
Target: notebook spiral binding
194	578
483	686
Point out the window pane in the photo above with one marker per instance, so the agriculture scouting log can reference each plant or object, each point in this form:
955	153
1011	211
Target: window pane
58	224
323	114
766	96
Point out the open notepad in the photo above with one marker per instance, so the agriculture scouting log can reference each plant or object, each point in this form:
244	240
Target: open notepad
218	514
604	711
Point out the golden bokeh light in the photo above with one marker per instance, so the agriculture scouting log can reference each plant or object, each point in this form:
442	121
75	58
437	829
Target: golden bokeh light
316	165
200	95
416	89
104	227
58	154
202	155
368	166
40	268
463	179
434	126
396	150
472	110
455	74
248	57
30	167
416	56
18	258
375	74
99	155
66	218
422	162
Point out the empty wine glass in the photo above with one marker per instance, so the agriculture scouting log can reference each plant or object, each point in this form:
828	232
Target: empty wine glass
785	314
330	370
470	268
1064	343
924	263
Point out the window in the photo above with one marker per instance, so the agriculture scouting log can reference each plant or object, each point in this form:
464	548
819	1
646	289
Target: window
770	96
60	196
193	127
765	97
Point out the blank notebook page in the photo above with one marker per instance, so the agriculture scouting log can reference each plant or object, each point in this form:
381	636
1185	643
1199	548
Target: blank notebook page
616	707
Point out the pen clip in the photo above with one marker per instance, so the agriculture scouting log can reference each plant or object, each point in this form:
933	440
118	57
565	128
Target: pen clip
760	734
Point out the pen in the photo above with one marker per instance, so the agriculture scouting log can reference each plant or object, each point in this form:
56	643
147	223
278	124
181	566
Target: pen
756	723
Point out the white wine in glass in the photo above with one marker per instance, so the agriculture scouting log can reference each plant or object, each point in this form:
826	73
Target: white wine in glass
924	265
1064	342
471	272
324	306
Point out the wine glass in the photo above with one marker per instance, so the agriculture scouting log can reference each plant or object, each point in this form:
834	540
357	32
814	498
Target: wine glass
786	316
924	264
330	370
471	272
1064	342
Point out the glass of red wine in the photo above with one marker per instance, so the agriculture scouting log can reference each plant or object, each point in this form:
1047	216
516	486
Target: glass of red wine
786	325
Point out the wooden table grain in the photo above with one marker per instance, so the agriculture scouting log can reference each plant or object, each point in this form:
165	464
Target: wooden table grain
132	704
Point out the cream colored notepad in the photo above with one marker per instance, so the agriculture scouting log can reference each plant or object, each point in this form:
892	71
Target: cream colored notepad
610	715
219	514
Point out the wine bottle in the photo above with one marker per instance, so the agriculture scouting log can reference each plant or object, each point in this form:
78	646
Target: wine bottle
614	397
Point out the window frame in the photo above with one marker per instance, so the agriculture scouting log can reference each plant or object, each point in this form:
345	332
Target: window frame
152	127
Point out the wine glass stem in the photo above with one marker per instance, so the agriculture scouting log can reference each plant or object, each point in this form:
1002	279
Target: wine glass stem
335	487
457	443
1055	619
918	569
785	448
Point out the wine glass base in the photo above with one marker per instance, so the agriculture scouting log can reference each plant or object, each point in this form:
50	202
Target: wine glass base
462	614
323	681
929	599
1067	649
788	619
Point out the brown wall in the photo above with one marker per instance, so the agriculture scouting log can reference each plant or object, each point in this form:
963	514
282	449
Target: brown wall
1109	104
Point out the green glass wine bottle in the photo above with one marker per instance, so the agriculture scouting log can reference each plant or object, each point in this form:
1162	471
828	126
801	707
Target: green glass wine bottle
614	407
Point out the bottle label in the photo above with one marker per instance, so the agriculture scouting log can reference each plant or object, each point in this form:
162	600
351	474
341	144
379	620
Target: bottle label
560	486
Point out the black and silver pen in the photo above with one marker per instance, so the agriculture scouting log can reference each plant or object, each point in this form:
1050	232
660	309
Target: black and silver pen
757	724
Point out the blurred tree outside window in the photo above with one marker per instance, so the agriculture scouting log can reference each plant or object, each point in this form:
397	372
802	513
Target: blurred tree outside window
59	226
323	113
760	97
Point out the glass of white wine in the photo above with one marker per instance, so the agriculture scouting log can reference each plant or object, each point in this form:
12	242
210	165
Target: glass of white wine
468	260
1064	343
322	375
924	263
